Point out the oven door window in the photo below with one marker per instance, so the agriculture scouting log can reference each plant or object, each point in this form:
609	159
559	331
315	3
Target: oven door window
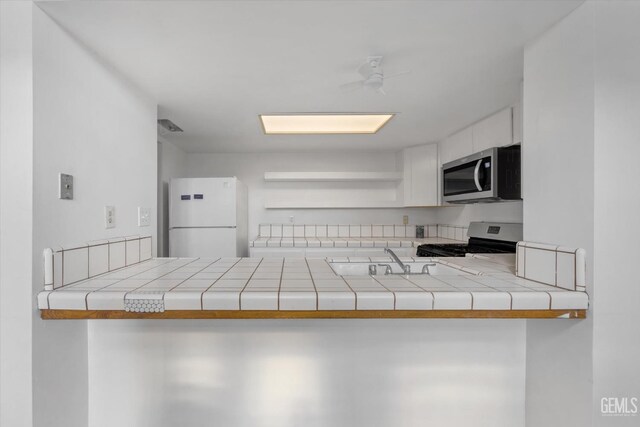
472	177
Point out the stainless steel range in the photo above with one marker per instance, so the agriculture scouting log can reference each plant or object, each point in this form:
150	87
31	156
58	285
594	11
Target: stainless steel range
484	237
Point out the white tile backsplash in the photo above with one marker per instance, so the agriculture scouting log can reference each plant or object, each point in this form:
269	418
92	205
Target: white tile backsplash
540	265
146	251
98	259
309	231
552	265
117	255
132	251
75	265
276	230
264	230
57	268
565	270
80	262
321	230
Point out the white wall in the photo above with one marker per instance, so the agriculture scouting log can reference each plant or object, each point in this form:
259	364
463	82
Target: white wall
558	158
91	123
464	214
171	164
16	169
616	342
250	169
341	373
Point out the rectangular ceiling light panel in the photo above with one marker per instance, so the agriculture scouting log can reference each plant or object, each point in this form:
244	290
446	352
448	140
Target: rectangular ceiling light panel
316	124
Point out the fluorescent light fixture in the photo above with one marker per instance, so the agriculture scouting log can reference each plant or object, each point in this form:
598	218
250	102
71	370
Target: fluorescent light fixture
318	124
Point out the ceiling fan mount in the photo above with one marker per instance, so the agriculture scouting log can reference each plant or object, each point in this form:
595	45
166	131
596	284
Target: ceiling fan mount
372	76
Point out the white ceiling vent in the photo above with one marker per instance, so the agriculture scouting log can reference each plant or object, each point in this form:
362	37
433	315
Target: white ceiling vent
166	125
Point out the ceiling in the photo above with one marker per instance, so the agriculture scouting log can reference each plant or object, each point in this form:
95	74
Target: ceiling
214	66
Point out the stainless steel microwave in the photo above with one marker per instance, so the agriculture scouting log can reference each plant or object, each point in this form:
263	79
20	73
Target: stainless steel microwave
491	175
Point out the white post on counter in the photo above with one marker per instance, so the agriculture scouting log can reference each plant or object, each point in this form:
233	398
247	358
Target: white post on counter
47	254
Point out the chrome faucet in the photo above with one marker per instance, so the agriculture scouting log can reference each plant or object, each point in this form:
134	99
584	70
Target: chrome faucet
405	268
387	268
425	268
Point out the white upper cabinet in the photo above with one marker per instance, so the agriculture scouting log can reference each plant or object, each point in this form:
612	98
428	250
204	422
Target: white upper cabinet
420	175
517	123
494	131
458	145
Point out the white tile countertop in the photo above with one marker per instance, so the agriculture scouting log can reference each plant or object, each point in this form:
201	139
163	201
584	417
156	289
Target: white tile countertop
270	285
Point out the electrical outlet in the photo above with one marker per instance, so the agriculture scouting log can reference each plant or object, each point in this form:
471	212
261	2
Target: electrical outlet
65	186
405	219
144	217
109	217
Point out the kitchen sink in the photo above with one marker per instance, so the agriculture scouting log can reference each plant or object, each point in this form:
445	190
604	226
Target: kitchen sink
363	268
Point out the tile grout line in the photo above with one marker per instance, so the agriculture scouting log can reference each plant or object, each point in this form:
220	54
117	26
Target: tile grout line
284	260
387	289
313	283
247	283
188	278
355	294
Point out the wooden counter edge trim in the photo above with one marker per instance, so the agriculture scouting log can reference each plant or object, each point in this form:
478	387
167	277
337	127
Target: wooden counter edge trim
324	314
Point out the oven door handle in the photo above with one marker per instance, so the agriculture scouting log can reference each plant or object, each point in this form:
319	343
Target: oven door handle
476	175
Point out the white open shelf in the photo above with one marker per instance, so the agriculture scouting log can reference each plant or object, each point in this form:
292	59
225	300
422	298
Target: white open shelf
332	176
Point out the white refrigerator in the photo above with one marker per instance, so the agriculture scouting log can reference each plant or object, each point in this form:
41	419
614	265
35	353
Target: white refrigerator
208	218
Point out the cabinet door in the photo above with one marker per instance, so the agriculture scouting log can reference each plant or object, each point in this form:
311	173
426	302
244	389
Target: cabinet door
458	145
494	131
421	175
517	123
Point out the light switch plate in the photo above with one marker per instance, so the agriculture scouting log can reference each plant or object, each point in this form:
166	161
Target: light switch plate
109	217
144	217
65	186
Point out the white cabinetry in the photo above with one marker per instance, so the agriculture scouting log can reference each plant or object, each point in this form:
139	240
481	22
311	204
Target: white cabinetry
458	145
497	130
420	175
494	131
517	123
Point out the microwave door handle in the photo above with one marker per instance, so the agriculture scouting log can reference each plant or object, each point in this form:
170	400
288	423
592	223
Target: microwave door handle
476	175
